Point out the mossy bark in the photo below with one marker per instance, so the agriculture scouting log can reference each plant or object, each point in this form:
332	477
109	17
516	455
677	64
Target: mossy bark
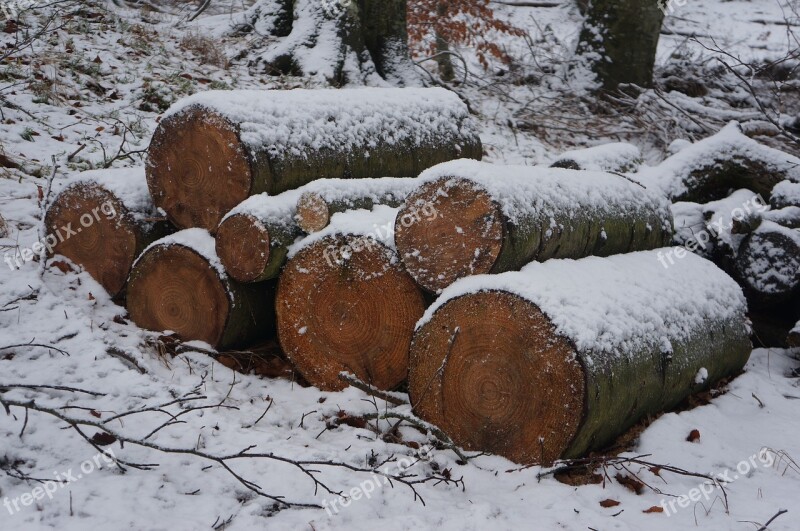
620	39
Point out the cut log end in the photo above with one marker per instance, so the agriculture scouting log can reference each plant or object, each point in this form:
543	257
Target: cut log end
768	267
345	304
526	404
448	229
197	153
94	229
243	247
174	288
313	213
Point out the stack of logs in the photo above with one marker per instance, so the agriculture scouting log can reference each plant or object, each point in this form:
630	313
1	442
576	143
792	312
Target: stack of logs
551	325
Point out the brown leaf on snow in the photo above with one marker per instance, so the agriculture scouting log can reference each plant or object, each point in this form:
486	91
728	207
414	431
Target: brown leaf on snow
654	509
630	483
693	436
95	414
102	438
609	503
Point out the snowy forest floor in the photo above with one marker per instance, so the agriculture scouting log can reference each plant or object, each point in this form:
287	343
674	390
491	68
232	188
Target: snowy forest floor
88	96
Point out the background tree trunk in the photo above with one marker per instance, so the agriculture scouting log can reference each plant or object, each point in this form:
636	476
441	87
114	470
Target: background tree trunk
619	38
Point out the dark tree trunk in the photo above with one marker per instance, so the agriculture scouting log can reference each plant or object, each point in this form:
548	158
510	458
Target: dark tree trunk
619	39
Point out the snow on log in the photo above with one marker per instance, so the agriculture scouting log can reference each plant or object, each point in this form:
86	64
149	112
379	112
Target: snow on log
179	285
469	218
214	149
794	336
768	264
619	157
708	170
102	220
254	238
345	303
562	357
321	199
785	194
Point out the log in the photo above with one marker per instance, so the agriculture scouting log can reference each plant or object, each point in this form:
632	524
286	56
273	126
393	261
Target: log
214	149
561	358
788	217
768	264
113	220
254	238
619	157
178	285
793	340
785	194
710	169
469	218
344	303
321	199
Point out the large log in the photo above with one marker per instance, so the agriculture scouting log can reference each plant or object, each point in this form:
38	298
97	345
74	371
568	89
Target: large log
324	198
619	157
469	218
345	303
563	357
102	220
710	169
785	194
214	149
178	285
768	264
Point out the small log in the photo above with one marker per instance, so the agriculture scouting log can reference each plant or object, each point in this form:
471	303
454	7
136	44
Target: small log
768	264
788	217
102	220
214	149
616	157
178	285
324	198
345	303
561	358
254	238
793	340
710	169
469	218
785	194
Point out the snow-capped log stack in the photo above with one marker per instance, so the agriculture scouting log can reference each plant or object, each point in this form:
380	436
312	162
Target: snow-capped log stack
344	303
254	237
322	199
214	149
102	220
562	357
178	285
708	170
490	219
768	264
619	157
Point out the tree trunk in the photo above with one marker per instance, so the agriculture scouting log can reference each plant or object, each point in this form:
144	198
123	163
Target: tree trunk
215	149
113	220
322	199
179	285
345	303
469	218
561	358
443	58
620	39
768	264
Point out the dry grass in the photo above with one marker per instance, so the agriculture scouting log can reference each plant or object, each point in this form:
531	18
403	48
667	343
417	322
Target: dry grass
207	50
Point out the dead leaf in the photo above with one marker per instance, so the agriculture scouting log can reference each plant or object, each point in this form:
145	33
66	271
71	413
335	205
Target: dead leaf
631	483
654	509
694	435
609	503
102	438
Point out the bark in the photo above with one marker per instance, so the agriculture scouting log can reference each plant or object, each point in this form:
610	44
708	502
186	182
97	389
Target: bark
620	38
174	286
201	164
109	235
443	58
793	340
344	303
525	366
474	221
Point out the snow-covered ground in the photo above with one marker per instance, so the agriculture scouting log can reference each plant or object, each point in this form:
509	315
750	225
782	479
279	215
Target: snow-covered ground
93	92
